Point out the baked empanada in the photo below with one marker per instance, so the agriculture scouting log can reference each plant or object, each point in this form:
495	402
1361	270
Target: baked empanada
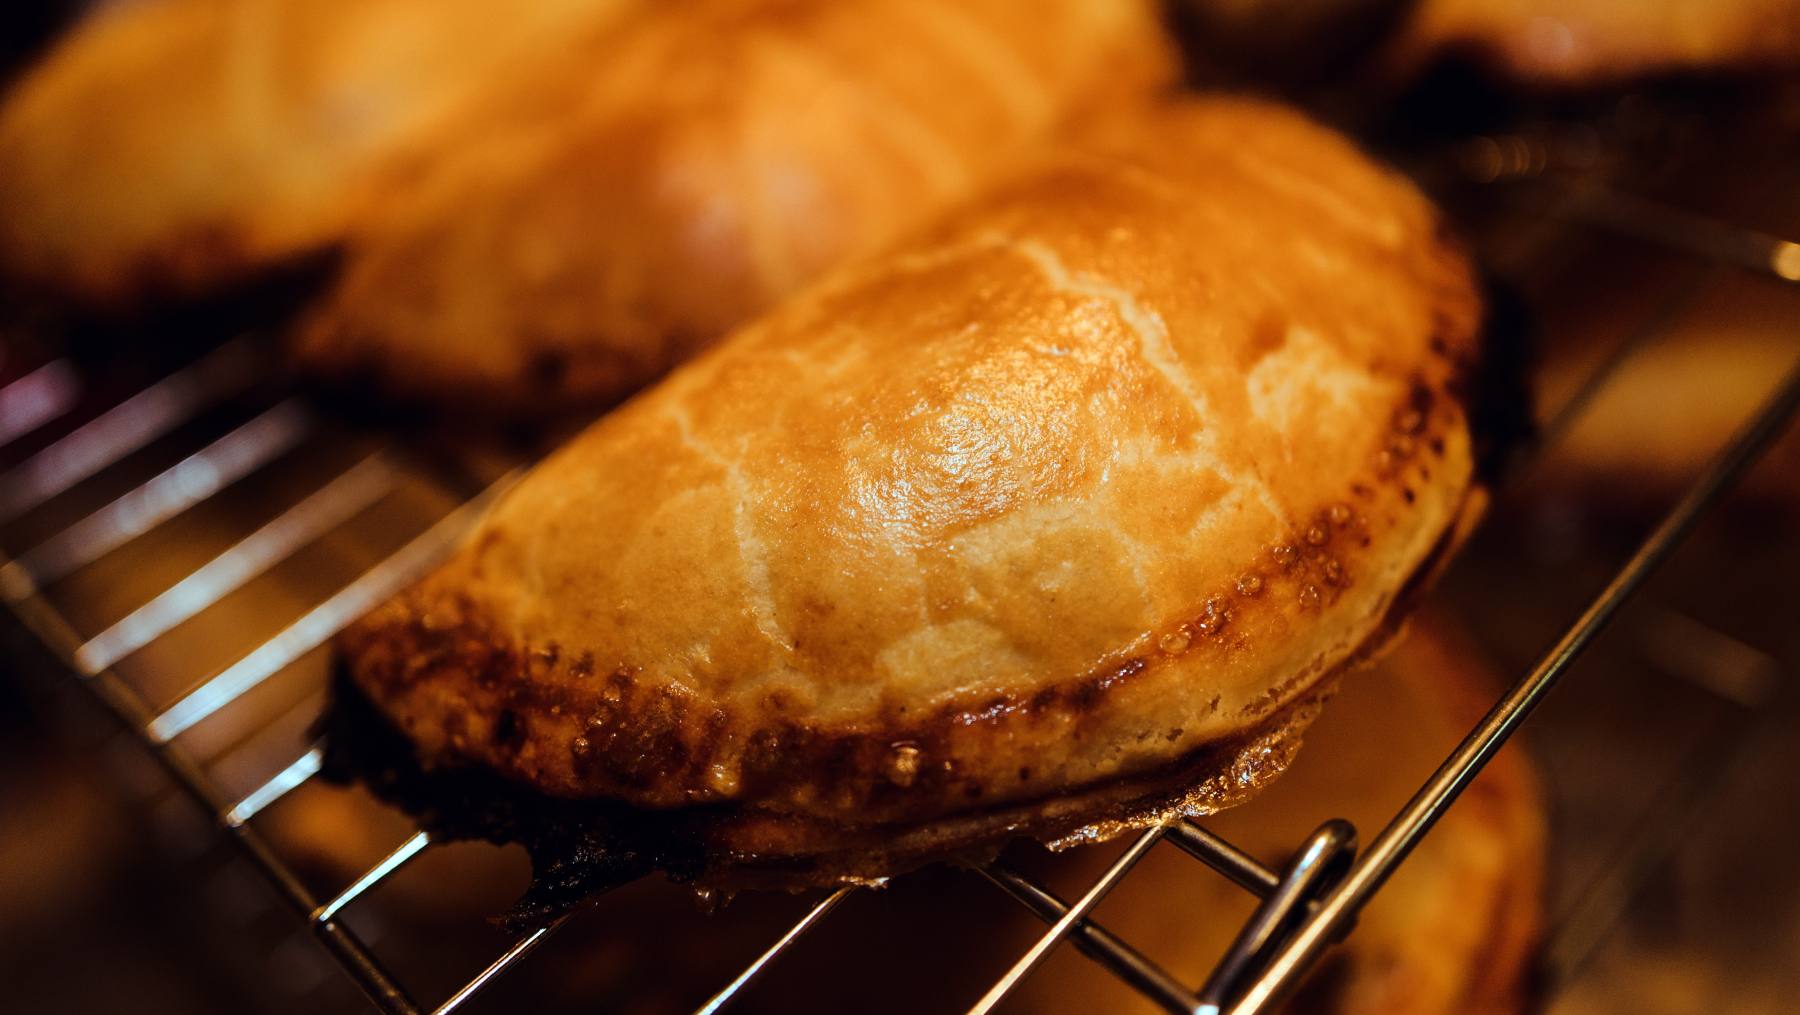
167	147
722	154
1059	513
1563	43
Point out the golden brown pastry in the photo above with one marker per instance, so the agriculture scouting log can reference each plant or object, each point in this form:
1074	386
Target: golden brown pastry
723	153
1070	498
1454	931
172	145
1595	42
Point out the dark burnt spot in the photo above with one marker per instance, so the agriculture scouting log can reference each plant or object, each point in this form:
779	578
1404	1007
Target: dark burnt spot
1024	773
1407	492
618	685
548	368
509	732
583	666
1416	411
1334	573
1214	618
1267	336
1086	695
1494	387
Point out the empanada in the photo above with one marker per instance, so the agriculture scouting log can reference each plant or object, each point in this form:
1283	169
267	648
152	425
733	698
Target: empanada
1578	43
1049	516
167	147
724	153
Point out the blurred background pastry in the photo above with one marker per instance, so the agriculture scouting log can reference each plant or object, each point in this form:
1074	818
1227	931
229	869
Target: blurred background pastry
722	154
1553	44
167	147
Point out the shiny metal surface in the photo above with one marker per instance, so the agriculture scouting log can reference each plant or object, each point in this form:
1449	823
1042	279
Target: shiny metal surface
1096	942
1070	917
719	1001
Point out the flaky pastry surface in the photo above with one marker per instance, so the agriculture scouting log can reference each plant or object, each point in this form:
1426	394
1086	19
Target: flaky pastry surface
1102	472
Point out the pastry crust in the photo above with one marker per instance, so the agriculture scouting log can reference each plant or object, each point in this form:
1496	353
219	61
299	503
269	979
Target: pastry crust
164	148
1103	473
1577	43
725	152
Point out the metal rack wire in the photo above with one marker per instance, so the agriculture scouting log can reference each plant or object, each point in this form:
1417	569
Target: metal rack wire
1303	906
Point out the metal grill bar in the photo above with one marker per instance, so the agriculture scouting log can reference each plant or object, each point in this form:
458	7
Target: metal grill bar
724	997
1096	942
519	950
1448	782
400	857
316	627
1073	915
320	512
126	427
345	946
37	398
1703	237
301	769
174	490
1244	870
1684	810
1316	867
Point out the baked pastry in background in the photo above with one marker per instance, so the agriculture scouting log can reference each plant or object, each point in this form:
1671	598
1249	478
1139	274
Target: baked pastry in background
1454	931
724	153
1050	515
1669	407
167	147
1577	43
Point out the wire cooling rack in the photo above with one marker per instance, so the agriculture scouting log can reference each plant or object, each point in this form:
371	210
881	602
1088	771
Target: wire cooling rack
240	426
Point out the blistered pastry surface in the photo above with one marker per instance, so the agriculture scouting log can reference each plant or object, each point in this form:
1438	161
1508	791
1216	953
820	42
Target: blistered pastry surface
1109	466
